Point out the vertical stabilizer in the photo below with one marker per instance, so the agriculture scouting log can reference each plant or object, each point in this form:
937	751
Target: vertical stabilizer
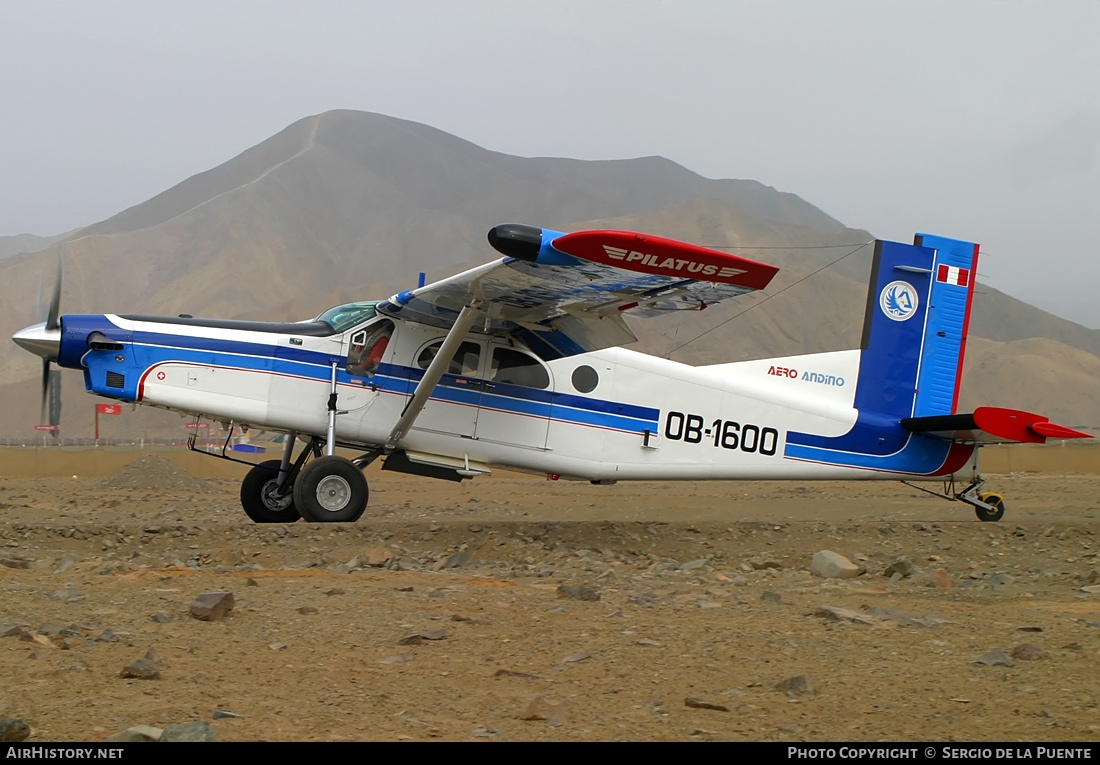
914	332
893	329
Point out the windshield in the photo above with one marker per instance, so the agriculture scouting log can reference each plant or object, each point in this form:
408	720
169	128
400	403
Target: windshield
346	316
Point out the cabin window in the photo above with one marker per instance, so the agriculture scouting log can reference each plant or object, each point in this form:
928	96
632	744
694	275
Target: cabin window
517	368
367	348
463	364
585	379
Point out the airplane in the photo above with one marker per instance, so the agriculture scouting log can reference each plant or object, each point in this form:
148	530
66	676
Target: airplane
517	364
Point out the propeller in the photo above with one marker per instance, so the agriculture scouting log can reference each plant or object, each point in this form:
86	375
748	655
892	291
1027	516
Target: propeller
44	339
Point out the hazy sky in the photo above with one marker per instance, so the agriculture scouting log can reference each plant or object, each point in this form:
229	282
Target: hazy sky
973	119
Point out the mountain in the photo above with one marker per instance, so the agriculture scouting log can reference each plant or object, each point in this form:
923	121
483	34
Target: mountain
350	205
14	245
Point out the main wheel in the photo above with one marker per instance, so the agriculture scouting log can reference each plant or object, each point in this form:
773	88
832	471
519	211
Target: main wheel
331	490
998	508
259	498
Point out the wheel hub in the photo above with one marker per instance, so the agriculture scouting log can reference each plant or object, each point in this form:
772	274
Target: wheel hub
333	493
272	499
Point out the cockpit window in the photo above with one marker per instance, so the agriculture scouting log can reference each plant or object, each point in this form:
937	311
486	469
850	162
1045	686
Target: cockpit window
346	316
367	347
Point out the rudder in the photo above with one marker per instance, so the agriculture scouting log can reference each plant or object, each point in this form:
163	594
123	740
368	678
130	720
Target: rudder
951	295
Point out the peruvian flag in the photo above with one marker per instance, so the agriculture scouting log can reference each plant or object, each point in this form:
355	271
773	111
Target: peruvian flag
960	277
108	408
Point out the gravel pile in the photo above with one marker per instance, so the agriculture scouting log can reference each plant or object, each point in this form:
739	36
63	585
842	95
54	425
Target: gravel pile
154	472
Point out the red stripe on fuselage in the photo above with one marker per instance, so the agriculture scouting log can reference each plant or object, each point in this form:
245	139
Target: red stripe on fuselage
956	460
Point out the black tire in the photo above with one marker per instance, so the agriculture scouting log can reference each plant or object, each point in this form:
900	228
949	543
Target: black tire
996	513
257	489
331	490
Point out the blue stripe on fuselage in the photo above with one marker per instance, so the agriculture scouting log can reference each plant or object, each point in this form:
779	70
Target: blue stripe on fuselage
918	456
153	348
540	403
235	347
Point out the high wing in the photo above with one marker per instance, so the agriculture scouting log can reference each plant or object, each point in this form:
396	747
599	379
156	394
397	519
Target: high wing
564	294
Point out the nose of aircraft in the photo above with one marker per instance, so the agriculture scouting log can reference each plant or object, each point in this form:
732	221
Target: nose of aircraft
40	341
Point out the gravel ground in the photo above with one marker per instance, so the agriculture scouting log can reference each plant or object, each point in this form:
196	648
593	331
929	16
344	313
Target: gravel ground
513	608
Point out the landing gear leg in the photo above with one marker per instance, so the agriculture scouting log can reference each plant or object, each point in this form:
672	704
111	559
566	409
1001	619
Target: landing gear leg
330	435
988	507
330	489
288	452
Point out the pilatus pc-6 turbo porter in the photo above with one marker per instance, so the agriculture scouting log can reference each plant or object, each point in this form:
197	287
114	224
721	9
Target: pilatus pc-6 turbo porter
516	364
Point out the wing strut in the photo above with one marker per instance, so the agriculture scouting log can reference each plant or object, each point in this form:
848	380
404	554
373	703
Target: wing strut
434	373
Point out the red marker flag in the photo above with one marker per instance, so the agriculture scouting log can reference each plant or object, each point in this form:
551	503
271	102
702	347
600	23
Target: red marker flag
108	408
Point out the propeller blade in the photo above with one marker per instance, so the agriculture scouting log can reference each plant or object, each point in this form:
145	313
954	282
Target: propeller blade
53	405
43	412
55	300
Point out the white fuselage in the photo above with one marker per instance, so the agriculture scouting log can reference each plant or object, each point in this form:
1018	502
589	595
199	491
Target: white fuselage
608	415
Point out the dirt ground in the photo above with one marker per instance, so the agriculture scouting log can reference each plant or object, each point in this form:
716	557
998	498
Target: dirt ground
439	614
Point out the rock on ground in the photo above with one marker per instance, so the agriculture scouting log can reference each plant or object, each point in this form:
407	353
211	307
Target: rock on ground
832	565
212	606
12	729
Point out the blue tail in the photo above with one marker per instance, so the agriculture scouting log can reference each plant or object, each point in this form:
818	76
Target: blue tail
914	330
914	336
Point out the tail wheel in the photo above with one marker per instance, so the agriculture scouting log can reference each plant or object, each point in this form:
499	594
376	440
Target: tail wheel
997	511
331	490
260	498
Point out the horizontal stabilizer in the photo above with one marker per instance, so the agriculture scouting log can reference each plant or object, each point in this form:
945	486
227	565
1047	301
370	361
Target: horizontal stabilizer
991	425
